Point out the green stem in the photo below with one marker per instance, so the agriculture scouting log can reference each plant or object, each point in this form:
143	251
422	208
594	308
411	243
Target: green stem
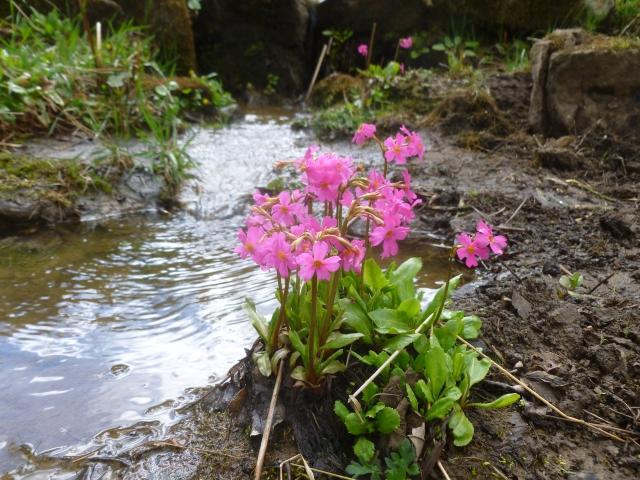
282	315
313	326
335	281
446	288
366	254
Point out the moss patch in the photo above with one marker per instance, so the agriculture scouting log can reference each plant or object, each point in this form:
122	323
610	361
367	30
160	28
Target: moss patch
57	181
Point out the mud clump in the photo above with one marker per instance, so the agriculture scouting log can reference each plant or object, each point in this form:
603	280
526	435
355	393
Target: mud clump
473	116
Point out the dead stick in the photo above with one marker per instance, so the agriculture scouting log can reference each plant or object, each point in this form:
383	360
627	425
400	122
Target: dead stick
604	280
324	472
370	51
325	48
266	432
444	472
563	415
513	215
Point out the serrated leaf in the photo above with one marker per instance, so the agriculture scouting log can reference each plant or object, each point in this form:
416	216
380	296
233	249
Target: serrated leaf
504	401
341	410
357	426
389	321
413	400
364	450
369	393
387	420
297	344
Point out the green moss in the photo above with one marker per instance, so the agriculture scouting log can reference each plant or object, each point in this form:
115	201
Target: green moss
57	181
339	121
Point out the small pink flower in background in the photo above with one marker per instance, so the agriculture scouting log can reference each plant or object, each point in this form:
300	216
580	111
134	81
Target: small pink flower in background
406	43
388	235
364	133
395	150
415	146
470	250
363	49
317	263
485	236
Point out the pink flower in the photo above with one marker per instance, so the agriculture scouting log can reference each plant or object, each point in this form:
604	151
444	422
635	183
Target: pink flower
325	174
352	257
250	244
388	235
286	208
317	263
364	133
470	250
406	43
395	150
486	238
415	146
279	253
363	49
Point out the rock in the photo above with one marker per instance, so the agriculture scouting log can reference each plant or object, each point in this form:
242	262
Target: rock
583	81
558	158
255	42
618	225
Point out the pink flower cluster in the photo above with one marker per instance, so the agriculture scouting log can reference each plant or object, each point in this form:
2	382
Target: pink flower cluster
480	245
404	145
284	234
363	49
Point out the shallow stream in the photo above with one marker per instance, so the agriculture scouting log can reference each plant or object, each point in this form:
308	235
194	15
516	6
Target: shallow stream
117	323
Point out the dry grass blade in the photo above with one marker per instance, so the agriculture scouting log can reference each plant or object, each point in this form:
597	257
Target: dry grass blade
267	427
444	472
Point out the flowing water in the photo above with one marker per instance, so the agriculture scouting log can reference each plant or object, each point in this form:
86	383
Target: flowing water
119	322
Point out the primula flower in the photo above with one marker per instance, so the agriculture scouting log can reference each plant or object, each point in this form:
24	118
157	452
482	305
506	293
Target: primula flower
352	257
395	150
388	235
279	254
485	236
286	208
406	43
250	244
363	49
415	146
470	250
317	263
364	133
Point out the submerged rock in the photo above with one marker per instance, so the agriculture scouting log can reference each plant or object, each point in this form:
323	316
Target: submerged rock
582	81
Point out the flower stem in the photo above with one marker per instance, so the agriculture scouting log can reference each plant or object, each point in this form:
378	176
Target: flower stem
282	315
313	326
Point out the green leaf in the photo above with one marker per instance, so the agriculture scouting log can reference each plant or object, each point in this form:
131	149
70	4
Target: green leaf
298	345
357	426
339	340
439	297
449	331
410	306
436	369
279	356
364	450
390	321
358	320
257	321
387	420
440	409
369	393
373	276
423	391
412	398
399	342
403	279
341	410
461	428
299	373
477	369
373	411
504	401
332	367
471	327
262	360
